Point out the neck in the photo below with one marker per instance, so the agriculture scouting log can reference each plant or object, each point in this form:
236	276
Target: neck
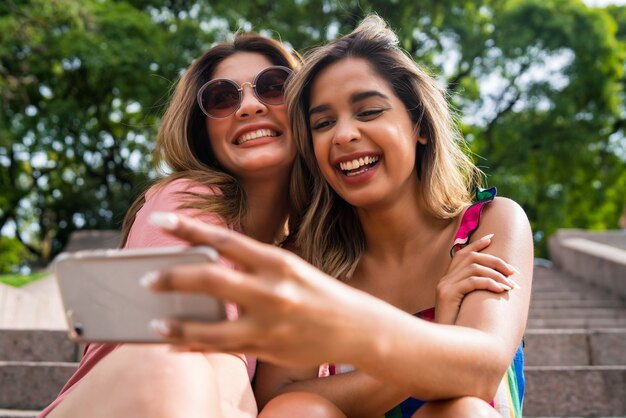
268	207
399	229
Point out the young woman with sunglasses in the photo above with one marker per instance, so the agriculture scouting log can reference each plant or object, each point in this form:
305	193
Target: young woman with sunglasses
391	197
225	138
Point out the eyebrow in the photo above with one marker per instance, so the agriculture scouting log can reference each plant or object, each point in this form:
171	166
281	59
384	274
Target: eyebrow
354	98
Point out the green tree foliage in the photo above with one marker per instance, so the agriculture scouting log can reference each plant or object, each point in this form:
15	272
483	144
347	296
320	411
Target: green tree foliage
83	83
539	85
14	255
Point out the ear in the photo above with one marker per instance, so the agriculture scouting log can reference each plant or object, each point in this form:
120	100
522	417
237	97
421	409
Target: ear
419	137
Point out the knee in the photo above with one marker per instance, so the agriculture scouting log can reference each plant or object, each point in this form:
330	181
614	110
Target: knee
153	382
301	405
465	407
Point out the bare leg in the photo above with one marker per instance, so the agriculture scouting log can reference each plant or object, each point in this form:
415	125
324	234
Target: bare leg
301	405
466	407
151	381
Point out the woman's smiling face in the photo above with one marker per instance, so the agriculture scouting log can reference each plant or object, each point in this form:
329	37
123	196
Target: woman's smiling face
363	138
255	139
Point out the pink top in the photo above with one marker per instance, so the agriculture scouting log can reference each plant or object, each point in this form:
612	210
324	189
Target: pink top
167	198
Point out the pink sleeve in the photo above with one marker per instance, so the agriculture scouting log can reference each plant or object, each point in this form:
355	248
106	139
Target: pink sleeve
167	198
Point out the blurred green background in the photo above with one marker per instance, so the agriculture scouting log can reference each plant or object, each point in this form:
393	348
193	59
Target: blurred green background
539	85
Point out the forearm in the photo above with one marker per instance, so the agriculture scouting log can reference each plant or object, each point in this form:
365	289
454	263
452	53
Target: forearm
437	361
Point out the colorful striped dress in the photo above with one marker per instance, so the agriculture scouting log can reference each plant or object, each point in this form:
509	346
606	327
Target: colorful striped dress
510	394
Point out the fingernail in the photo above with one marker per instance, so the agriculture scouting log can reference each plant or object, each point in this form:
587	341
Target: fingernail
505	287
514	283
514	269
149	278
165	220
160	326
486	237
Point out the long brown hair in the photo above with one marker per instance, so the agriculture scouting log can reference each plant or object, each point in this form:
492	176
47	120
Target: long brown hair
182	141
330	234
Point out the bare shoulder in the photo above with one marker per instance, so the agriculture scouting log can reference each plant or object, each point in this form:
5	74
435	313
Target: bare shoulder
504	213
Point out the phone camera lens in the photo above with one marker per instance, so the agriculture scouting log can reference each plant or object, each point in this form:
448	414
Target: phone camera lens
78	329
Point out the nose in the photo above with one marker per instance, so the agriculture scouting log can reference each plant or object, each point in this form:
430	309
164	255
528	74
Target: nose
250	104
345	132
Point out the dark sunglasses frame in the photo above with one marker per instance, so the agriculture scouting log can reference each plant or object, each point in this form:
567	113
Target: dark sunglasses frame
239	89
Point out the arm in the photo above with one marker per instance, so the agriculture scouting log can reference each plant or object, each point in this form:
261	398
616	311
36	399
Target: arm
479	350
358	394
288	305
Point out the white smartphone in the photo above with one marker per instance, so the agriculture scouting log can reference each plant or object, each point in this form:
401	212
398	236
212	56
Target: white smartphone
104	301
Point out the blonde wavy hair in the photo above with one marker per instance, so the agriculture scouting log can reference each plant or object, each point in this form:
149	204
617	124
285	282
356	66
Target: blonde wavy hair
330	235
182	141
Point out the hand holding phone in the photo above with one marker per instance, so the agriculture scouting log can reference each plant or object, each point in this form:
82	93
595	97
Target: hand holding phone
104	301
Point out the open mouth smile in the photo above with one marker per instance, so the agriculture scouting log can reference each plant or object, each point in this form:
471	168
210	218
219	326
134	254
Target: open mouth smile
259	133
358	165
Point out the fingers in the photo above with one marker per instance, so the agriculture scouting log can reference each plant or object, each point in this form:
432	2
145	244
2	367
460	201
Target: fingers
238	248
478	245
483	269
492	261
225	336
482	283
210	278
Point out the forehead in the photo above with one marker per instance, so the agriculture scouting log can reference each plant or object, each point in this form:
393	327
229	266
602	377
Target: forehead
242	66
345	77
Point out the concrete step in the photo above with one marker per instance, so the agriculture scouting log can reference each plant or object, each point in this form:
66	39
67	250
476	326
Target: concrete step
36	345
583	391
573	295
577	303
556	312
13	413
28	385
588	323
575	347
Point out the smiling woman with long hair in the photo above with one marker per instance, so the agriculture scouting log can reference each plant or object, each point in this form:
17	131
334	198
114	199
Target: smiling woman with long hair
225	138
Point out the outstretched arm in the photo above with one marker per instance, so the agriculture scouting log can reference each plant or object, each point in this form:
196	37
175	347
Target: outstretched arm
287	305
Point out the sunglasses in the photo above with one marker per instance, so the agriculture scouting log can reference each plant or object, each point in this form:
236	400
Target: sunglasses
222	97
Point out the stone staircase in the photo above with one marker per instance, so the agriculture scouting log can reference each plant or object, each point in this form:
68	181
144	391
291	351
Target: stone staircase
35	365
36	357
575	346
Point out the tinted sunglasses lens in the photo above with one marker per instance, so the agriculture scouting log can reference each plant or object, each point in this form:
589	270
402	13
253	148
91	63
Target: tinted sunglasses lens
220	98
270	85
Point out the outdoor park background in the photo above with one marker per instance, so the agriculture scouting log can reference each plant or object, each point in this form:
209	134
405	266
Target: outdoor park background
539	85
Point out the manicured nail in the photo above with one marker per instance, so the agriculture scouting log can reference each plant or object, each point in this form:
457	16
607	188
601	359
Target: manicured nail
149	278
165	220
160	327
513	268
486	237
503	286
514	284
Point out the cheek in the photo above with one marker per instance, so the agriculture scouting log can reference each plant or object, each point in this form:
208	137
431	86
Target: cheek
321	156
216	129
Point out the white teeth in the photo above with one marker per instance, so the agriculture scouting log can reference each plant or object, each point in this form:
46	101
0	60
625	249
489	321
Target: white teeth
255	134
357	163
